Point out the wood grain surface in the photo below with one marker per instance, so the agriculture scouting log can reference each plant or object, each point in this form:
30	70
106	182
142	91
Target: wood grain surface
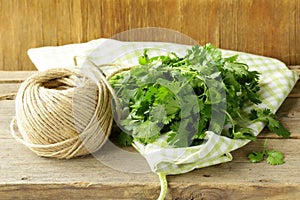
23	175
264	27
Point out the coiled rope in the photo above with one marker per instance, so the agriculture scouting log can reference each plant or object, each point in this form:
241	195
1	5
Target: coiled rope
62	113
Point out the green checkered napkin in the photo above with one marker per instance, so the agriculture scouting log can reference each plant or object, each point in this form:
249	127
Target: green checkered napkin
276	83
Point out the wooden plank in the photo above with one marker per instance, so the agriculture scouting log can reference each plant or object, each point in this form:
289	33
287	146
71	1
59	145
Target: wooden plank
150	192
7	112
14	76
8	90
295	93
14	42
88	177
295	68
264	27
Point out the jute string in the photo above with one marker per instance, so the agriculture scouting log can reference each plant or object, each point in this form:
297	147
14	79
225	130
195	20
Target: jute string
63	112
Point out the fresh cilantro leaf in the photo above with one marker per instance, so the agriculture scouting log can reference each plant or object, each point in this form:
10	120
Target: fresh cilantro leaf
181	139
244	133
231	59
252	95
150	94
125	139
274	157
214	96
158	113
276	127
269	118
129	124
143	60
256	157
147	132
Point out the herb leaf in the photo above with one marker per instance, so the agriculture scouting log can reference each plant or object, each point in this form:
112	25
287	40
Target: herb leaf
274	157
147	132
256	157
269	118
124	139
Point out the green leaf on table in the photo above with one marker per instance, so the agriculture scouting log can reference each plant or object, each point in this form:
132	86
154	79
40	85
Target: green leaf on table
256	157
274	157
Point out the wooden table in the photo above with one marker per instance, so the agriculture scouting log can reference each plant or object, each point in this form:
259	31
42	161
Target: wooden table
23	175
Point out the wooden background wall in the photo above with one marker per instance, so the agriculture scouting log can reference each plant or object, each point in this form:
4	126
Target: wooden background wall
265	27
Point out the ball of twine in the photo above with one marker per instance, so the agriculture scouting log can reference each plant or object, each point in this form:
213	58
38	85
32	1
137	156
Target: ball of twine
63	113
